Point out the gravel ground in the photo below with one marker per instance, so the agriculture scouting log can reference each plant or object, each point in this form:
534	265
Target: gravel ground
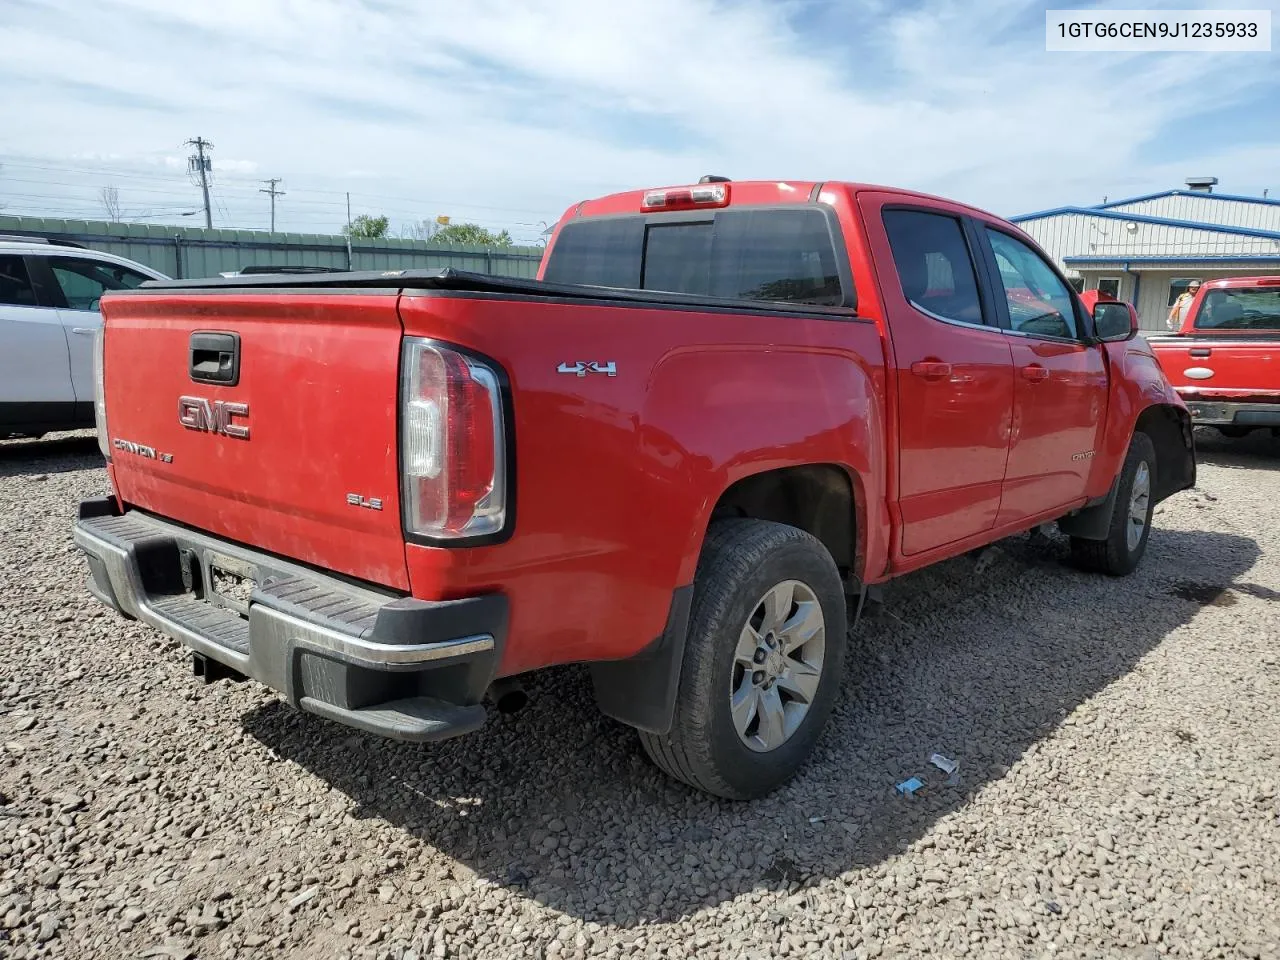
1116	794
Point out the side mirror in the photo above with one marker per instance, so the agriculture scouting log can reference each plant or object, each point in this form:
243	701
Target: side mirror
1114	320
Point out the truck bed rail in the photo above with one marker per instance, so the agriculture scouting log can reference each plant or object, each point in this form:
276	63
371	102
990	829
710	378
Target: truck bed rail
450	280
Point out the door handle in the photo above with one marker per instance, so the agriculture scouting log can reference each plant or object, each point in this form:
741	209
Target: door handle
1034	372
1201	352
931	369
84	331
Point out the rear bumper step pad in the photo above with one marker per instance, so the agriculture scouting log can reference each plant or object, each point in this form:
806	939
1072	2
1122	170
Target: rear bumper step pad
403	668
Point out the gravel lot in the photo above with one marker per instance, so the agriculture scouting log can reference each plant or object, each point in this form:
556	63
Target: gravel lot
1116	795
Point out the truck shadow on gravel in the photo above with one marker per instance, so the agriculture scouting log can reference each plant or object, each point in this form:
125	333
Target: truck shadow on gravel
978	659
61	454
1257	450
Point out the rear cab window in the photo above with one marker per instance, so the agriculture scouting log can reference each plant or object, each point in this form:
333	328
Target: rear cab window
1240	308
780	255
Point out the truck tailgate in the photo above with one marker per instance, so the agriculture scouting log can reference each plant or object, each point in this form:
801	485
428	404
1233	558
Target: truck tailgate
299	457
1230	365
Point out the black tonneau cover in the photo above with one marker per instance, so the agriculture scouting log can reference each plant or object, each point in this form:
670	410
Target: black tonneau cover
447	279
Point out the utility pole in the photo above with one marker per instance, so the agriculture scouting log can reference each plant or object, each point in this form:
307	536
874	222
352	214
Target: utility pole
202	164
273	192
348	229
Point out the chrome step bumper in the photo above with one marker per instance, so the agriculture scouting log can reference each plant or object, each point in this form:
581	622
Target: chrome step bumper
404	668
1214	413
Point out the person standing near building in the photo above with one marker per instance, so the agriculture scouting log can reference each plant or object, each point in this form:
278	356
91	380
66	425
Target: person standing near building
1178	312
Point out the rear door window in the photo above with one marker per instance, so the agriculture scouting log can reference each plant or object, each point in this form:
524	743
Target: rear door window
15	283
786	255
83	282
934	265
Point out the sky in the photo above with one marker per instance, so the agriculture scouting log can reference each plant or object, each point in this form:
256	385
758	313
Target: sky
505	112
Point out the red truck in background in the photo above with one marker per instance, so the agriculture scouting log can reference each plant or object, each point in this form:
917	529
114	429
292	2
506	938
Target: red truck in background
721	410
1225	359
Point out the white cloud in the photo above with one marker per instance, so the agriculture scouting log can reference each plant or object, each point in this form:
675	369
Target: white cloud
508	111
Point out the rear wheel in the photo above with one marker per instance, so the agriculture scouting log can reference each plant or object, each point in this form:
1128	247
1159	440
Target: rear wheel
1126	542
762	662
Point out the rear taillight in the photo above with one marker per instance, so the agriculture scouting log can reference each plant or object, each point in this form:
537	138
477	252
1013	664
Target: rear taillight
452	444
100	391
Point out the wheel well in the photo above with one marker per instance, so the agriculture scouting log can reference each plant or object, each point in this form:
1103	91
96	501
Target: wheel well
817	498
1169	429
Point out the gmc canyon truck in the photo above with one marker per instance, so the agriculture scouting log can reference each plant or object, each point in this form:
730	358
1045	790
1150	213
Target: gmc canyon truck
720	414
1225	359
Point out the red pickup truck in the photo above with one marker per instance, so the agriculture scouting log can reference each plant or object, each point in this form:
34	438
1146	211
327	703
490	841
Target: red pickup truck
1225	359
721	413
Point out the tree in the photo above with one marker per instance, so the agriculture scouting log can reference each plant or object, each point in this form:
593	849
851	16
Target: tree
109	197
471	234
422	230
365	227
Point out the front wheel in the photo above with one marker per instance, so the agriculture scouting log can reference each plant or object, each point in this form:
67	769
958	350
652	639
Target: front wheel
1126	542
762	662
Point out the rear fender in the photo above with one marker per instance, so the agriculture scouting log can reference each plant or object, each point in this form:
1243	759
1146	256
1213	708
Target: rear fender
763	408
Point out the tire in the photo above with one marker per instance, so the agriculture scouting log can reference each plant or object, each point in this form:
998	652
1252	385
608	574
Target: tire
1119	554
743	564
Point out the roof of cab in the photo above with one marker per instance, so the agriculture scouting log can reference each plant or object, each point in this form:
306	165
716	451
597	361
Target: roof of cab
757	192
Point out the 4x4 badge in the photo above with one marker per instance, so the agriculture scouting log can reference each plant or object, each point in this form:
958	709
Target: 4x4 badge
583	367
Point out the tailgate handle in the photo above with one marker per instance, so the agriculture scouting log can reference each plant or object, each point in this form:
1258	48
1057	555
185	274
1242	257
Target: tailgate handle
1201	352
215	358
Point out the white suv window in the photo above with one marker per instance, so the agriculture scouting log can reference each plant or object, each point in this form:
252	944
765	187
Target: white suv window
84	281
15	283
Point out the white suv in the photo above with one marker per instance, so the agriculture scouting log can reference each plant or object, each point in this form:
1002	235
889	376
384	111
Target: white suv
49	315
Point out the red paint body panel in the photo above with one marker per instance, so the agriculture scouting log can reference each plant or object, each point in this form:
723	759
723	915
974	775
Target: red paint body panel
319	373
1241	365
1060	397
615	478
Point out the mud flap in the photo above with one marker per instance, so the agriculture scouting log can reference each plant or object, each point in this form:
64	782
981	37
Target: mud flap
641	690
1092	522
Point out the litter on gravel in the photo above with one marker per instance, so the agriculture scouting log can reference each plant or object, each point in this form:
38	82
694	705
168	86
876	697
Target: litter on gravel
942	763
908	788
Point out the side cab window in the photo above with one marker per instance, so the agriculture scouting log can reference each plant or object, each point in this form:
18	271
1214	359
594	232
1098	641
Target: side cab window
935	265
1038	302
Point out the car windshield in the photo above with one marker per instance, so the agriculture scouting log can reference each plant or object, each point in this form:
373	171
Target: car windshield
1241	308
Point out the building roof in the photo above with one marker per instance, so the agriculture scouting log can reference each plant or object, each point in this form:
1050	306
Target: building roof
1171	258
1144	218
1190	193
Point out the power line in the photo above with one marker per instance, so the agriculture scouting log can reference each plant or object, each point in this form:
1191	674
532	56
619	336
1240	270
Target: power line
201	164
273	192
224	180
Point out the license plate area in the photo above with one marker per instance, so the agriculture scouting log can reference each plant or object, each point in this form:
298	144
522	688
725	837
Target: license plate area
230	582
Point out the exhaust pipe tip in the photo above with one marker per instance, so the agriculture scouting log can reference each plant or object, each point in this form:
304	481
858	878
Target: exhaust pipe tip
508	695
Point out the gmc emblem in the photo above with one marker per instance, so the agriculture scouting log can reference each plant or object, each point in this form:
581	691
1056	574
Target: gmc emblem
214	416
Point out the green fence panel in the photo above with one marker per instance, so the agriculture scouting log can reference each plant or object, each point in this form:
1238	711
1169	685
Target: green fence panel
190	252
